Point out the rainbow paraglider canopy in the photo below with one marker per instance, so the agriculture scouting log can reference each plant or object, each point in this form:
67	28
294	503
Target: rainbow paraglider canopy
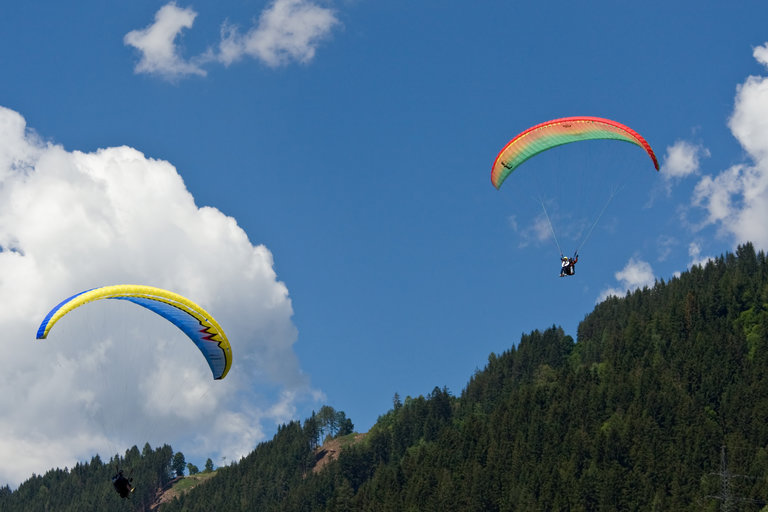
557	132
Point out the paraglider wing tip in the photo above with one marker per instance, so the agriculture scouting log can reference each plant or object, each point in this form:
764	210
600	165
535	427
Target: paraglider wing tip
41	334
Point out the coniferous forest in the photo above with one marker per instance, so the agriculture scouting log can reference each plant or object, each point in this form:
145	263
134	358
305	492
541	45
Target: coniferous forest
661	404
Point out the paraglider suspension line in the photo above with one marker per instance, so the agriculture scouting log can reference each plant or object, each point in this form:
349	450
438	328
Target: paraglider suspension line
605	207
552	229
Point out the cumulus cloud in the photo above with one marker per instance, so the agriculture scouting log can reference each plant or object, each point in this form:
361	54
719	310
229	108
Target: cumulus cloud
286	31
682	160
761	54
157	43
110	374
635	274
736	199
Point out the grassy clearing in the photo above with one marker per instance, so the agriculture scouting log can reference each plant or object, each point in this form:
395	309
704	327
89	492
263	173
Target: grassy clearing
191	481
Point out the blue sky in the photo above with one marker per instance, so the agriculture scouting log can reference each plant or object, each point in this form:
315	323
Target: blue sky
317	175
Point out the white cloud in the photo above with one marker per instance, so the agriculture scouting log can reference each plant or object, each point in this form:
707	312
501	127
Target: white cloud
537	232
761	54
635	274
694	252
736	200
512	220
110	374
541	229
286	31
682	160
157	43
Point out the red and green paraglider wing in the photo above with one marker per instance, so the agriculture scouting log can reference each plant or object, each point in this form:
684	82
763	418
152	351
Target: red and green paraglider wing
557	132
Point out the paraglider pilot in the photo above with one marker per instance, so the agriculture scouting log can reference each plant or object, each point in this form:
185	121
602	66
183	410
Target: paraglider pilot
122	484
568	265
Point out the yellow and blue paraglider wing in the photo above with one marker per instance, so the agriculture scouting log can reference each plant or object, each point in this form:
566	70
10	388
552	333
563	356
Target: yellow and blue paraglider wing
193	320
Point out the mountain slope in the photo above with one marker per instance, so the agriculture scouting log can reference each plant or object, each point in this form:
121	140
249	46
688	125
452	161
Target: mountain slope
631	417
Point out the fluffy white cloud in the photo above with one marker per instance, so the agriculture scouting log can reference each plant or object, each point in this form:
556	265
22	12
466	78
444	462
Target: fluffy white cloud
110	374
682	160
157	43
736	200
286	31
635	274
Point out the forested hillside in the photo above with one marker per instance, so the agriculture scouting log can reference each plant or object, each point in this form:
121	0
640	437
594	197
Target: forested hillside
87	486
634	416
631	417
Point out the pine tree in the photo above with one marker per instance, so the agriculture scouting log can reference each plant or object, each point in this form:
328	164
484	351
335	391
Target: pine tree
178	464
